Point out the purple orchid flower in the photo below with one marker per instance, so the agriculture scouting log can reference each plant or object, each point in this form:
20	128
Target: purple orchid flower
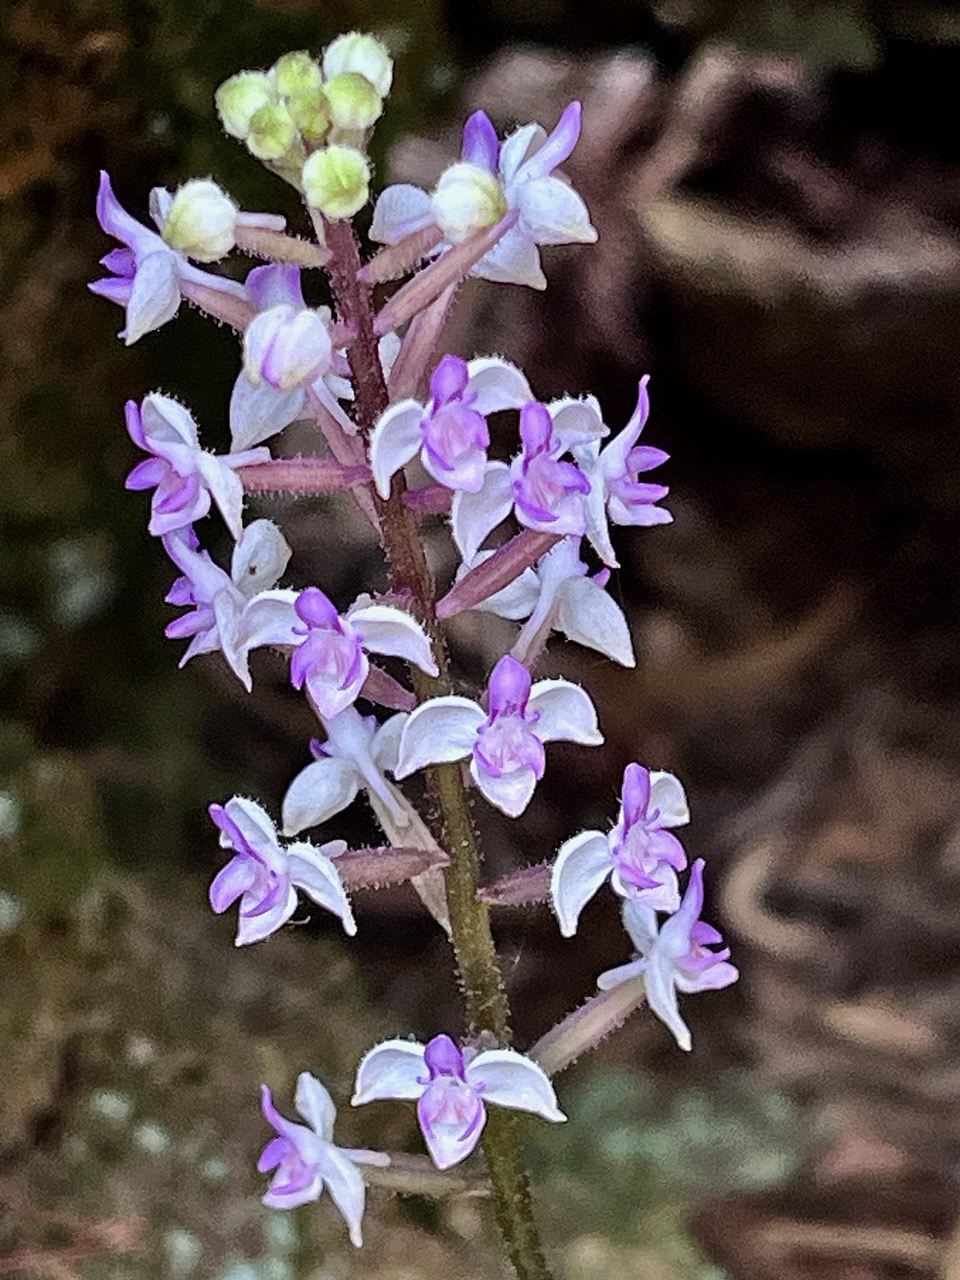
512	181
505	744
234	612
453	1088
450	431
185	478
148	278
265	876
331	659
307	1161
544	491
674	958
640	855
615	491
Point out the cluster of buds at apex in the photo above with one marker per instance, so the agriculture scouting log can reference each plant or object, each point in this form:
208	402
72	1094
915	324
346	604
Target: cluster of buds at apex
336	181
300	105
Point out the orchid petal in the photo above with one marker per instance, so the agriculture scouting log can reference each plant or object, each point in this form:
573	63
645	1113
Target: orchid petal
667	795
318	792
587	615
494	385
386	743
452	1117
437	732
557	146
225	487
254	825
347	1189
312	871
257	413
583	863
518	147
662	999
275	285
510	792
551	212
254	928
270	618
566	713
315	1105
640	922
259	557
394	441
394	1069
390	631
399	211
577	420
620	974
154	296
480	143
512	260
474	516
230	883
509	1079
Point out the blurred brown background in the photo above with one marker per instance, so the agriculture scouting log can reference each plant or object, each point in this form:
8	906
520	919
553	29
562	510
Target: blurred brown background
777	190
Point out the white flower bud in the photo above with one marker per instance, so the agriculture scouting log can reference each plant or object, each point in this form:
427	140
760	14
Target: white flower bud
337	181
362	54
240	98
297	73
354	102
201	221
286	345
272	132
467	199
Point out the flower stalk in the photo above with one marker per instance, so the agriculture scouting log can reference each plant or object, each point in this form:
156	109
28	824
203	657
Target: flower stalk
471	936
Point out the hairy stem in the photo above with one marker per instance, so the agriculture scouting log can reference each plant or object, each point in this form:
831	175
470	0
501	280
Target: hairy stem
486	1000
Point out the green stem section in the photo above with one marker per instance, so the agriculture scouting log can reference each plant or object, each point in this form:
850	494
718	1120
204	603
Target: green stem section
486	1000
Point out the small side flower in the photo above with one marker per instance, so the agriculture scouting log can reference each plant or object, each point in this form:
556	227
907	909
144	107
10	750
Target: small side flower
305	1161
265	877
675	957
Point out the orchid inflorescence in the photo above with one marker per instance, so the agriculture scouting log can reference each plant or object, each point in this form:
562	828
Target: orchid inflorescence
403	432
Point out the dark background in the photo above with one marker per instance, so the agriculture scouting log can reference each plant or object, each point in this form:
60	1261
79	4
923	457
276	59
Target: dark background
777	191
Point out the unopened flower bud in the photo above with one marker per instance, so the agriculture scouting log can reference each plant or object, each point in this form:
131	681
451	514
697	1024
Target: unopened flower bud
201	221
467	199
297	73
354	102
365	55
311	114
272	132
337	181
240	98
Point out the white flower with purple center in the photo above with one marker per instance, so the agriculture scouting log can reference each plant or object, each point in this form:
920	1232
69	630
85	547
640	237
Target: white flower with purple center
148	278
452	1089
449	432
306	1161
543	490
184	477
265	876
616	493
234	612
561	594
512	181
674	958
505	743
331	659
640	856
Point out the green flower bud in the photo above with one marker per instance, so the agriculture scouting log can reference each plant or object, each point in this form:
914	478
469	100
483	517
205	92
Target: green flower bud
240	98
362	54
354	102
336	181
310	112
467	199
272	132
201	221
297	73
